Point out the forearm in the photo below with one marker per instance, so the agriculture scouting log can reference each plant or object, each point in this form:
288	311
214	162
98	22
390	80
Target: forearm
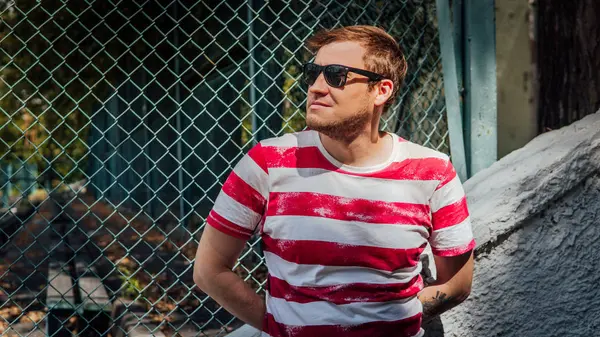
236	296
437	299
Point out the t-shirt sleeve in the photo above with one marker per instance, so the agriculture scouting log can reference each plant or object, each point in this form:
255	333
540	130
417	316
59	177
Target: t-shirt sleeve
452	234
241	203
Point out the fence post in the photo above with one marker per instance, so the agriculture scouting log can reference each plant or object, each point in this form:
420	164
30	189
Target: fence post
480	82
180	185
265	120
451	85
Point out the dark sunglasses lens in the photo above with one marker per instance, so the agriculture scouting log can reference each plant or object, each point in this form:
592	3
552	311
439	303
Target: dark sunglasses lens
310	73
335	76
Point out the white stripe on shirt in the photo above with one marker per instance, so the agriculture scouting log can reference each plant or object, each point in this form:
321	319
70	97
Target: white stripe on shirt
345	232
323	181
447	195
235	212
453	236
249	171
313	275
325	313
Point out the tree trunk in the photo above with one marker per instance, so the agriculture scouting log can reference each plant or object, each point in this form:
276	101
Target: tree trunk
568	61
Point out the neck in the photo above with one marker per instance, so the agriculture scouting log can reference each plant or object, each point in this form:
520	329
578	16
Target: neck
368	148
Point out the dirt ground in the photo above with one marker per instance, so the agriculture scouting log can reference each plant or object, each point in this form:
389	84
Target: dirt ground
136	258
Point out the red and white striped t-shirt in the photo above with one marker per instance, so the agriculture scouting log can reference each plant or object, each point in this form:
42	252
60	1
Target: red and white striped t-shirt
342	243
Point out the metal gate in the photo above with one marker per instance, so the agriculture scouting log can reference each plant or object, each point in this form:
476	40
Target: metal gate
119	122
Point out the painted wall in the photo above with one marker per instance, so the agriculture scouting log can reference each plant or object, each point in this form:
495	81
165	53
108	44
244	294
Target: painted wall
517	122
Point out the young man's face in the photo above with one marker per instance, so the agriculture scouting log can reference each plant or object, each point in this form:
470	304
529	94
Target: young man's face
340	113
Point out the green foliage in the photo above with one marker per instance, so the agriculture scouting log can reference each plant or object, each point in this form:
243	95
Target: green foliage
52	73
292	108
131	287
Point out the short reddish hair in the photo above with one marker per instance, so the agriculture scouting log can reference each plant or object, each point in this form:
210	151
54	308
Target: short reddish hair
383	54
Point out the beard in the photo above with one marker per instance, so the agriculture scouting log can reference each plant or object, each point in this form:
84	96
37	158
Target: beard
346	129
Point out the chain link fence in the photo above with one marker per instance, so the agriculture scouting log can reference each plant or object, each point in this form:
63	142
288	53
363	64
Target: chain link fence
120	121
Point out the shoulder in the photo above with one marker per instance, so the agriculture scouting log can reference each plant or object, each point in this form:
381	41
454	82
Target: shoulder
423	162
276	151
412	150
296	139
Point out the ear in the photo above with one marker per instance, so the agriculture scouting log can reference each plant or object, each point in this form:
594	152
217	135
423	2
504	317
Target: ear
384	92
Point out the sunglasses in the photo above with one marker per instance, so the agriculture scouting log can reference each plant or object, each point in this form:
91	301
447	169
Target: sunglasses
335	74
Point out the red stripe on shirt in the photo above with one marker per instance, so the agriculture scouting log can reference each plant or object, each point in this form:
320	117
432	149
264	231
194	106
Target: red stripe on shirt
335	254
296	157
345	293
407	327
448	175
228	227
256	153
450	215
311	157
414	169
340	208
236	188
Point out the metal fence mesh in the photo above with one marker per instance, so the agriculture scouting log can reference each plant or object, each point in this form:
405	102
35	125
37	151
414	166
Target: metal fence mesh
119	122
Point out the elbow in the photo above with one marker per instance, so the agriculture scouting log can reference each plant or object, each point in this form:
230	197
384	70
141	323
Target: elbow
463	294
200	276
205	274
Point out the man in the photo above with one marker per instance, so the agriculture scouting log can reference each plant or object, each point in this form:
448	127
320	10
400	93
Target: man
344	210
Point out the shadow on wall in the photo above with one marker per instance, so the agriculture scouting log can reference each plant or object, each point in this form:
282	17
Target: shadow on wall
543	280
435	328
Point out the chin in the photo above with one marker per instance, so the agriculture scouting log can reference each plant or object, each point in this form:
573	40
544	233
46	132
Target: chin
315	122
313	112
322	126
345	129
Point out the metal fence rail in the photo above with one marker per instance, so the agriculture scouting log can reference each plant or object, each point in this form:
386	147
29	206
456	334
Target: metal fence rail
126	117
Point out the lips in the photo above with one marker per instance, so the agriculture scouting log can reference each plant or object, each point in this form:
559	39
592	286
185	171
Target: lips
320	104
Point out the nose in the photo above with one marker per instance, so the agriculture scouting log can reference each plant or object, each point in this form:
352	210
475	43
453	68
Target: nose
320	86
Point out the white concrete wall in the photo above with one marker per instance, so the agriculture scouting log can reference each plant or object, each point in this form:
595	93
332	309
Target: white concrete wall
536	217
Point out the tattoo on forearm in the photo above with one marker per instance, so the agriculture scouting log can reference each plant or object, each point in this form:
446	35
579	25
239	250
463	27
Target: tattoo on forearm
438	304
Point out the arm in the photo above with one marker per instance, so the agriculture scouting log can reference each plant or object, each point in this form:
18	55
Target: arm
235	217
452	245
216	255
453	285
